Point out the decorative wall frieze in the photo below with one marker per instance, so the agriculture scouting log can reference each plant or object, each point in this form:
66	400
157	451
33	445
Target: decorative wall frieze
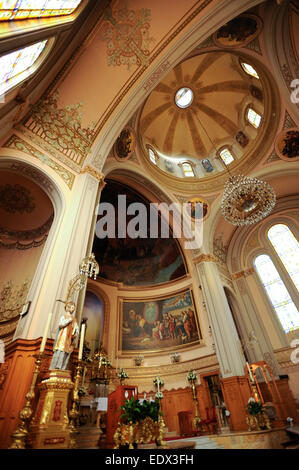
156	76
254	46
61	127
15	142
242	274
288	121
31	172
219	250
273	157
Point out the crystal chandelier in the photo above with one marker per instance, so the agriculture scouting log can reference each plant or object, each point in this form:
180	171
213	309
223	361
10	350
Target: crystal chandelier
246	200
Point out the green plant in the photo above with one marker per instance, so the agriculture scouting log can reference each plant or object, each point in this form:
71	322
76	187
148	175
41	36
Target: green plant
136	410
254	408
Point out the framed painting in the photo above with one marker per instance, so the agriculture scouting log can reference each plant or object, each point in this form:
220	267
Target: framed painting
165	323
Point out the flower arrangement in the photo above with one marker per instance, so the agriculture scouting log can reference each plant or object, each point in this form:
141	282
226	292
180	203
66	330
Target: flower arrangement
254	407
175	357
191	375
159	396
122	374
158	382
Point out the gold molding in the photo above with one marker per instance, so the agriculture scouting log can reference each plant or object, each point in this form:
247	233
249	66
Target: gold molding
95	173
204	258
243	274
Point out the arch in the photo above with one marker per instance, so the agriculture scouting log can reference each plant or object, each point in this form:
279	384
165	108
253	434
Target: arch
48	184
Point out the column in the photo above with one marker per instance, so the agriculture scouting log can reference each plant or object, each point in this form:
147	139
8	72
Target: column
71	244
228	348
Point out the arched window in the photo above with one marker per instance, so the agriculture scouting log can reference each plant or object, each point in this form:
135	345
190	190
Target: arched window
226	156
152	156
19	65
253	117
287	248
187	169
23	9
277	293
249	70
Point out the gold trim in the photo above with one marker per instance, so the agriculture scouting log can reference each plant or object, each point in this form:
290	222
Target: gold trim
204	258
95	173
243	274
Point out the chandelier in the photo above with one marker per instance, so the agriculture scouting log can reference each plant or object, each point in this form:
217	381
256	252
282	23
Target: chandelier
246	200
89	266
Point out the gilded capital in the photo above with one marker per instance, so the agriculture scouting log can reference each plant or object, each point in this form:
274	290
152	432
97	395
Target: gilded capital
95	173
204	258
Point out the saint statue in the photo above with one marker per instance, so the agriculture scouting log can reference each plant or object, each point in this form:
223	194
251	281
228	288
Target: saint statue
67	333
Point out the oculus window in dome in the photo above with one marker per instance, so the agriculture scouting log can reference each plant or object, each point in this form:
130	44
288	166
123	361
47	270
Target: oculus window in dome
197	110
25	9
19	65
136	261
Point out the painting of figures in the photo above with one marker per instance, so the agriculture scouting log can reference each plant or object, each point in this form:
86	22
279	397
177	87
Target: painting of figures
158	324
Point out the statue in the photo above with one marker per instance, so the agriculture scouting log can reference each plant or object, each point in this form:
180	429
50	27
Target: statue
67	333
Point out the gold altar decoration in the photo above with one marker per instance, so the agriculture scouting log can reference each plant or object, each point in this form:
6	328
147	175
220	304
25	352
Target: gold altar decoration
20	437
258	422
145	431
50	427
101	367
74	411
88	267
197	420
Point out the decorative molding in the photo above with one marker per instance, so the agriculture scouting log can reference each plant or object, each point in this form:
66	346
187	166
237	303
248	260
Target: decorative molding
156	76
17	143
16	198
288	121
204	258
254	46
219	250
273	157
12	299
61	127
33	173
95	173
243	274
126	33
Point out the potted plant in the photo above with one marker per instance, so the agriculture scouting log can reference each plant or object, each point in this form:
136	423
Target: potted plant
122	375
139	423
256	417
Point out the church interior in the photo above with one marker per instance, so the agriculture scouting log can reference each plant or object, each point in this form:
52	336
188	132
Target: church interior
116	332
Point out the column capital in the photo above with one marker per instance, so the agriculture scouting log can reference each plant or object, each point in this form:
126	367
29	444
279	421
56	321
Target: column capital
242	274
204	258
95	173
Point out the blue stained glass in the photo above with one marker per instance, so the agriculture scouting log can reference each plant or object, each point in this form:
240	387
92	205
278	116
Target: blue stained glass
278	295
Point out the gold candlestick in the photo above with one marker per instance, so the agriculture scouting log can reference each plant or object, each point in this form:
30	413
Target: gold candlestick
74	412
21	434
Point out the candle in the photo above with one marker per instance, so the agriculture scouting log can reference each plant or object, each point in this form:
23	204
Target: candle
117	364
158	384
45	337
81	342
83	379
250	373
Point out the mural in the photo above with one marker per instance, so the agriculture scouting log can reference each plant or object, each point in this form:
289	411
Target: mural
192	203
287	144
159	323
239	31
139	261
124	145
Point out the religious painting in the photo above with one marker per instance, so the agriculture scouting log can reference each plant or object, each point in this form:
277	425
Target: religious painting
206	163
287	144
124	144
242	139
239	31
197	208
141	261
158	324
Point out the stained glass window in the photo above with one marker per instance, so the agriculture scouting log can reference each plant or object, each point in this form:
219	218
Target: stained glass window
25	9
278	295
226	156
287	248
152	156
253	117
17	65
187	169
249	70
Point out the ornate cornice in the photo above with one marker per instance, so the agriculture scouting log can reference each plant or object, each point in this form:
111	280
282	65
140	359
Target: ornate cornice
95	173
243	274
204	258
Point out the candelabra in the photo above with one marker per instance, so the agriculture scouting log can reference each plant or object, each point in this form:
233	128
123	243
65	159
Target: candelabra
74	411
191	377
21	434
